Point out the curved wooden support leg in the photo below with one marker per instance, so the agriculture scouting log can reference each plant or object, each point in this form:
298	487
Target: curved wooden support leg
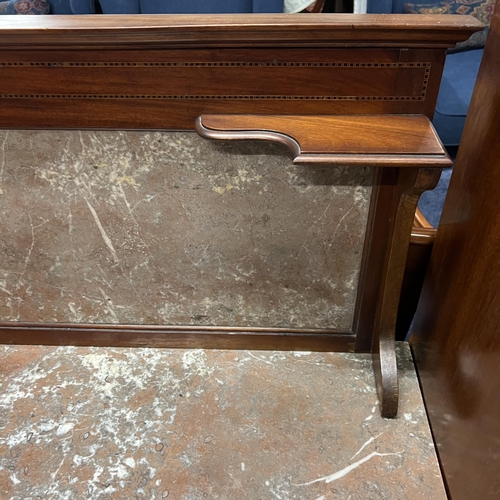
386	376
410	185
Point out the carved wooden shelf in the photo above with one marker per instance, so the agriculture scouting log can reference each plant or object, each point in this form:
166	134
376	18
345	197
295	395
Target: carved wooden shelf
375	140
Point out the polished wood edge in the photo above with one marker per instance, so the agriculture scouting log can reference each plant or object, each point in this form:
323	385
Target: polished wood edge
402	161
174	328
167	337
423	236
375	160
234	30
423	232
259	135
371	265
411	184
382	22
421	220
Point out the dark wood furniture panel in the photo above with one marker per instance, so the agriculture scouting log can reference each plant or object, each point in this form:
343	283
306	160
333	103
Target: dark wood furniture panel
164	72
422	239
169	89
455	337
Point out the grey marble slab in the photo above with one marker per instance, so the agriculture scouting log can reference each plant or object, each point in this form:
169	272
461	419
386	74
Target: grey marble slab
169	228
121	423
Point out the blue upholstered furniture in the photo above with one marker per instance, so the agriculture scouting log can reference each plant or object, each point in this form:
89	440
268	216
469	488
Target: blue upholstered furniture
189	7
457	84
165	6
72	6
458	80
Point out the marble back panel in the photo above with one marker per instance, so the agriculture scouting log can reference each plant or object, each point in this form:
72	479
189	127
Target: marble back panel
169	228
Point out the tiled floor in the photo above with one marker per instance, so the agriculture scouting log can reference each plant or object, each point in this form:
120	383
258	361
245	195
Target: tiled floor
111	423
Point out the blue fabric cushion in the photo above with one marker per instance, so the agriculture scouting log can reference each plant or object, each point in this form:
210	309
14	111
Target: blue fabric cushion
120	6
379	6
398	5
60	7
388	6
77	6
270	6
188	7
394	6
449	128
209	7
431	202
457	84
195	7
480	9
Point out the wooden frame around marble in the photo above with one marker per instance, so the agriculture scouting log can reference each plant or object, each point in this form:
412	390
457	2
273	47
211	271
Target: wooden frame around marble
163	72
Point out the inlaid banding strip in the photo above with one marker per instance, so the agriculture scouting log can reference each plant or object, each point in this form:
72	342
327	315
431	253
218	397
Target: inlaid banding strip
233	97
220	64
213	97
175	95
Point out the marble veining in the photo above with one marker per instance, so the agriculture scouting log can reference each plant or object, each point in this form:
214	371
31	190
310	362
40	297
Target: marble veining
170	228
114	423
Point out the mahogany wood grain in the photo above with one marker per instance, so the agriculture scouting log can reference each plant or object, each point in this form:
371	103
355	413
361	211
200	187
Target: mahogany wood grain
172	337
421	221
227	78
233	30
175	114
170	88
422	239
435	72
319	136
456	330
417	262
161	72
377	241
411	184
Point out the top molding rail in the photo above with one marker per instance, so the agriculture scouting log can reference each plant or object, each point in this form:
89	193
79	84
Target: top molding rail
234	31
